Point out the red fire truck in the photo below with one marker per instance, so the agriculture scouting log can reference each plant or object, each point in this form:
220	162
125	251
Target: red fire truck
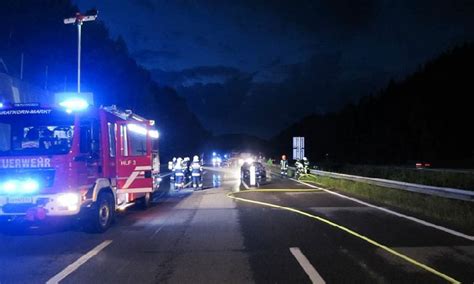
75	160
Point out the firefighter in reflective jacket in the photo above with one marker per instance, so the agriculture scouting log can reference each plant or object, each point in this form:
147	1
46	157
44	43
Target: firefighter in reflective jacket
302	166
171	166
187	169
196	170
179	173
299	168
284	166
306	165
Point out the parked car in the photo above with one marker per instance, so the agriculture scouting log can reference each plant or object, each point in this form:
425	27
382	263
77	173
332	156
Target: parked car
260	173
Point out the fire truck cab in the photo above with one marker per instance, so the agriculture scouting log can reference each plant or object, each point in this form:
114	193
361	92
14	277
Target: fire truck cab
75	160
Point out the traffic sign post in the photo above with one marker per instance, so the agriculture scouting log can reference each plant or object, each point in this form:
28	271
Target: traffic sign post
298	148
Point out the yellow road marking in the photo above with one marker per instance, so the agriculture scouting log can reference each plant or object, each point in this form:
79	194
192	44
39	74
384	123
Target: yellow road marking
282	190
347	230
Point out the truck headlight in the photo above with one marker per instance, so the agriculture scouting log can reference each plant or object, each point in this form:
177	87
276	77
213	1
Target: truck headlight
70	200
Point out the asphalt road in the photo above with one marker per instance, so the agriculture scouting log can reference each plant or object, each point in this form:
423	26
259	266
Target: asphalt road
207	237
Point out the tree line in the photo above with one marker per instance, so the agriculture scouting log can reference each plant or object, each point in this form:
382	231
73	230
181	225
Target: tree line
427	117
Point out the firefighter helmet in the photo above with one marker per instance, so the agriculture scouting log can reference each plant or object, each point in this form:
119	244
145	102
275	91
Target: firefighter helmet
195	158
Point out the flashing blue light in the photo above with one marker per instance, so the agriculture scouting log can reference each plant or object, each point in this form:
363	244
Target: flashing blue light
10	186
74	104
1	105
30	186
15	186
213	153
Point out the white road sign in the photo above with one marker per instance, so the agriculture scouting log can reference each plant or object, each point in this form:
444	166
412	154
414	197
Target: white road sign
298	148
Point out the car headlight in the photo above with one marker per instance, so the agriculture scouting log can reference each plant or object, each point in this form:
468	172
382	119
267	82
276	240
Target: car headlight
70	200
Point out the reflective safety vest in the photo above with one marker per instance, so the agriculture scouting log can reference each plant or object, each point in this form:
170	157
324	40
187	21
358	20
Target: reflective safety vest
284	164
179	171
196	169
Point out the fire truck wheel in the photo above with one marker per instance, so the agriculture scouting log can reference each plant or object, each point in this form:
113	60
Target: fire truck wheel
102	214
145	201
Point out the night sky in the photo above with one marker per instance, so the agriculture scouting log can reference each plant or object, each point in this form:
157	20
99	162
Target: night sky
257	66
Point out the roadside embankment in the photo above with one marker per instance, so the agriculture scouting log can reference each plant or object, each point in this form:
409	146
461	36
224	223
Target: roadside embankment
456	214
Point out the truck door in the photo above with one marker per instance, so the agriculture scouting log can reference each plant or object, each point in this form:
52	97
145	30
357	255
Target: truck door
89	148
134	159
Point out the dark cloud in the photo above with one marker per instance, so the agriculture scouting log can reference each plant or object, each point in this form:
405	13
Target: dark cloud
147	5
202	71
202	41
199	75
239	101
148	55
301	56
339	16
227	48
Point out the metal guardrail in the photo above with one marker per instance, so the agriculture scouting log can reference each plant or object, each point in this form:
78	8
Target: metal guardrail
446	192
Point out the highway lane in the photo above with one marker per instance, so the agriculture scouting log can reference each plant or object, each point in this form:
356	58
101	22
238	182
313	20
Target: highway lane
342	257
206	237
186	237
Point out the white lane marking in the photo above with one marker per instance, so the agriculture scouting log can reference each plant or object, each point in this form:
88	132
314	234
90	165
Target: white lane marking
411	218
306	265
157	231
76	264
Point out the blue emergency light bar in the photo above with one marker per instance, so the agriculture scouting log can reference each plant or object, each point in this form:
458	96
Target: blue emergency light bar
73	101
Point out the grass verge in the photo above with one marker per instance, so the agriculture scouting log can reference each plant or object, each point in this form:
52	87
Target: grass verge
456	214
435	177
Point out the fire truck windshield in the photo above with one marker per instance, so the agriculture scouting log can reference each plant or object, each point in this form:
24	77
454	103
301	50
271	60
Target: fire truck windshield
33	134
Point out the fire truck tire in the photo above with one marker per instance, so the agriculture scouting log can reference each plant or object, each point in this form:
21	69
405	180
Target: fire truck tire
103	213
145	201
